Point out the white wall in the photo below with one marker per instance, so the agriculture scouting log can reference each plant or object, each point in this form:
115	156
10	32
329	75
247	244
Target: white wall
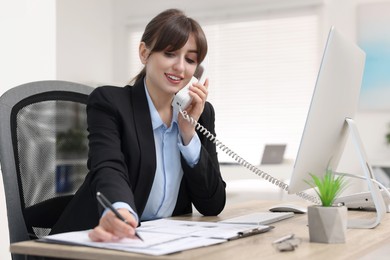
85	41
27	51
27	47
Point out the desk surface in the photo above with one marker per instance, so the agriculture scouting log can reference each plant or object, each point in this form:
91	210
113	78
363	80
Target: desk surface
360	244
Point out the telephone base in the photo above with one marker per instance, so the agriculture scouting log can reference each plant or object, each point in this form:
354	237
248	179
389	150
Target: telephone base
362	201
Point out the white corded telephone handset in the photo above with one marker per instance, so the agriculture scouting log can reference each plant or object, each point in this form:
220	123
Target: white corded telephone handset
181	101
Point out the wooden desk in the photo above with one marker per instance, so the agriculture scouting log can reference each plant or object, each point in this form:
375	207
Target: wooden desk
361	243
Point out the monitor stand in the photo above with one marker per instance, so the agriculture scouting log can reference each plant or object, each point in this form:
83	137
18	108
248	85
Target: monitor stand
369	177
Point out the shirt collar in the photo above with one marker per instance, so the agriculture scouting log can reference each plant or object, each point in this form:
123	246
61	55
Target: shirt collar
156	119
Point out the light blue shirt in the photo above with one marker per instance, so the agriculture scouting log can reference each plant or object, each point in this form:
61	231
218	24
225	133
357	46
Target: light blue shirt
169	173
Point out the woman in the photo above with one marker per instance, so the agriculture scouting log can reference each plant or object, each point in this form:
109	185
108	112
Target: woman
143	156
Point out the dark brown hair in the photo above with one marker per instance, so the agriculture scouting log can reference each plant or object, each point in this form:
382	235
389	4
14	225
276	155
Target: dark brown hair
169	31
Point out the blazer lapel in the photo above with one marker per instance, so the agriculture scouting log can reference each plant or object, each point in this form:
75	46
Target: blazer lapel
143	126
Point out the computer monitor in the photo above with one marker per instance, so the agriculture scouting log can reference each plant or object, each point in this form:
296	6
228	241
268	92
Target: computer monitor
334	99
331	113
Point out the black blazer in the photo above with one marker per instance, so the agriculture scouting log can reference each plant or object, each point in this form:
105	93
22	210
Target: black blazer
122	161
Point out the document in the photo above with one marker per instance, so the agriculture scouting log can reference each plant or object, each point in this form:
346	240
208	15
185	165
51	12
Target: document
215	230
165	236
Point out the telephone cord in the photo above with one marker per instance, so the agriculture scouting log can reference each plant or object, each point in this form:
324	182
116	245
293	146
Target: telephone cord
242	161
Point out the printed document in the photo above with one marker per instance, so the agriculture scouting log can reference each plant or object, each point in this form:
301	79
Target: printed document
165	236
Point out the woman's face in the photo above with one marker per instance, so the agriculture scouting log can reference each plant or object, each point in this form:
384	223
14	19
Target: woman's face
170	71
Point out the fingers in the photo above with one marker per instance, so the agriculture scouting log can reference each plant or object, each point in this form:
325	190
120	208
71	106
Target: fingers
98	234
199	94
200	91
128	217
111	228
117	227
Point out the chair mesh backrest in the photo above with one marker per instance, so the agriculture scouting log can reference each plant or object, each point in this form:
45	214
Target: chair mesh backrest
50	133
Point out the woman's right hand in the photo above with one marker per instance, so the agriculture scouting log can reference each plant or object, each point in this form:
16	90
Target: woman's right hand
111	228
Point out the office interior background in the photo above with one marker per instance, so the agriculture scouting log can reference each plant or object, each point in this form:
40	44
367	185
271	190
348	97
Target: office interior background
263	57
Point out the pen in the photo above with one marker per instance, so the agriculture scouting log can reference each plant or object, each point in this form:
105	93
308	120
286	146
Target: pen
251	232
247	232
107	204
282	239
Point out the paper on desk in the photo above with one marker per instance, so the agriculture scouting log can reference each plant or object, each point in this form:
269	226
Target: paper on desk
216	230
162	236
155	244
81	237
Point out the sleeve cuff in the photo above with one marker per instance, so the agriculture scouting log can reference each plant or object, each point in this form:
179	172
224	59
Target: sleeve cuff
122	205
190	152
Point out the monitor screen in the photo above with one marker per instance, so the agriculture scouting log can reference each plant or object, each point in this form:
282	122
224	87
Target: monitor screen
335	98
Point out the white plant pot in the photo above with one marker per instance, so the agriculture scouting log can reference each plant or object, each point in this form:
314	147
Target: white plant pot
327	224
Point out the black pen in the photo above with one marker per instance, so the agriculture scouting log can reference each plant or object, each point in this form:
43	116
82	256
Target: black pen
107	204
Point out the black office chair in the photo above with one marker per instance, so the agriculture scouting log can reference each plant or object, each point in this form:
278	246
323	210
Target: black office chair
43	153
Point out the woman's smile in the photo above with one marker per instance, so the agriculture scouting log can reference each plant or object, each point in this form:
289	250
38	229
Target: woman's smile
173	78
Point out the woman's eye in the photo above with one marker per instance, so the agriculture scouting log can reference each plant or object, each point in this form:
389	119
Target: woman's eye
169	54
190	61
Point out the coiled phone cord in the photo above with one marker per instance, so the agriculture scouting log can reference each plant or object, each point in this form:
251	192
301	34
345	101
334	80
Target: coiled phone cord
242	161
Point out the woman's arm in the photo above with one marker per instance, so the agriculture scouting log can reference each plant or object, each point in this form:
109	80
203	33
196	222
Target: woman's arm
107	166
204	182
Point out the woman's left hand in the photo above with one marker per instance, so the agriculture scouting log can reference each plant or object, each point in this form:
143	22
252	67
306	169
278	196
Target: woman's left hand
199	93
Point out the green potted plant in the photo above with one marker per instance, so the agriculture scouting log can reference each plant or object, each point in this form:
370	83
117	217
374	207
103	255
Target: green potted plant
72	144
327	222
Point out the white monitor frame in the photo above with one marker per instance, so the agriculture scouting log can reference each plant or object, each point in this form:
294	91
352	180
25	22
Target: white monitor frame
332	109
369	177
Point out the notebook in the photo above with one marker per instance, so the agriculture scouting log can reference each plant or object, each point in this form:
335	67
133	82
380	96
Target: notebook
259	218
273	154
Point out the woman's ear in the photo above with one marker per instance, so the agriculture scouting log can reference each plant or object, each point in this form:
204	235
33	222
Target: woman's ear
144	52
